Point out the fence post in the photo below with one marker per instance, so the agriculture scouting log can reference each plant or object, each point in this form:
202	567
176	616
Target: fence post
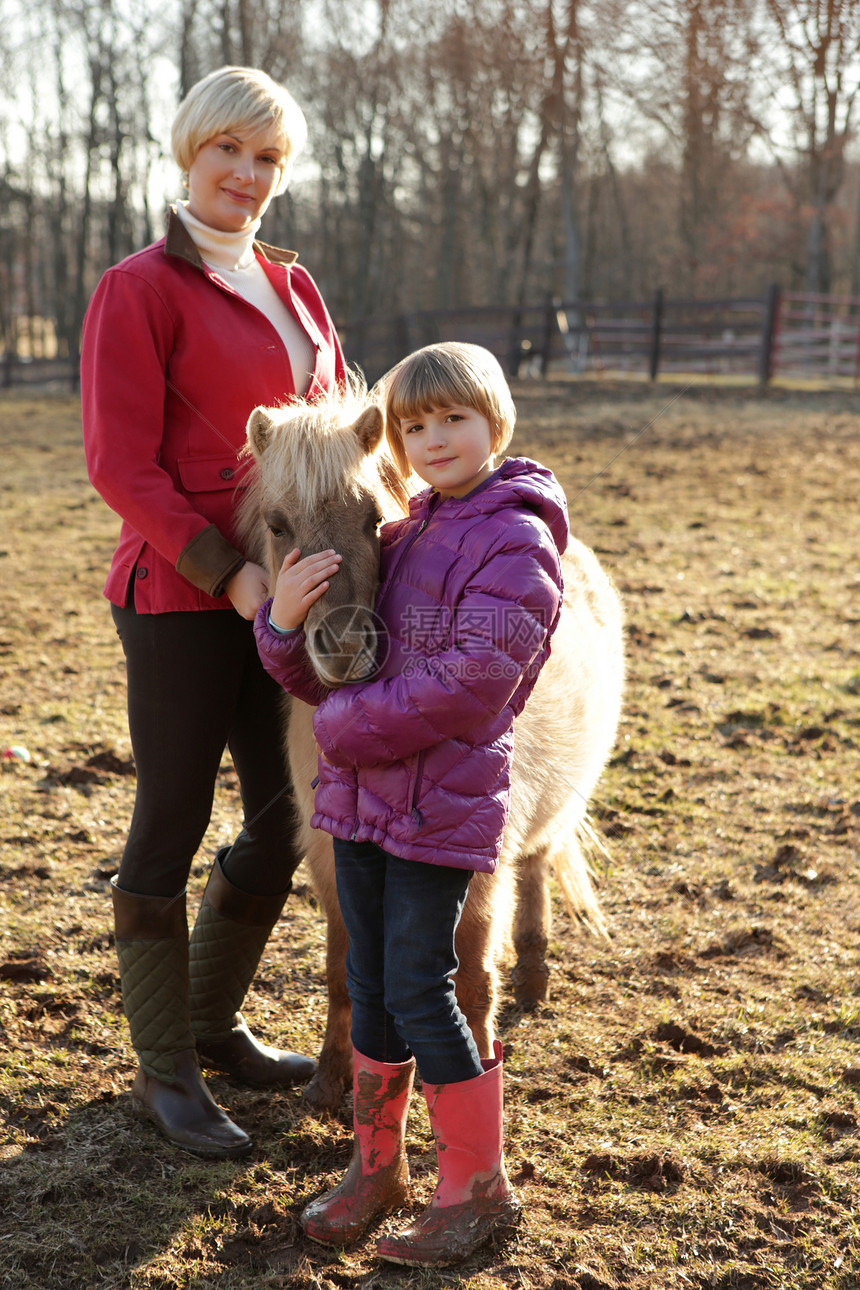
403	336
768	333
549	329
656	330
515	349
354	329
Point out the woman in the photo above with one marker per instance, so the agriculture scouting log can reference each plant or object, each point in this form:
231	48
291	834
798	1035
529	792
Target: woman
181	341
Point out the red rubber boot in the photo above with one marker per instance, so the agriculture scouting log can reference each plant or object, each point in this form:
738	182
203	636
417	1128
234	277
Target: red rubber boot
473	1198
377	1180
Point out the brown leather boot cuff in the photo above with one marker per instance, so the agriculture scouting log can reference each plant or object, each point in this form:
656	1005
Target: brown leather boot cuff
241	906
147	918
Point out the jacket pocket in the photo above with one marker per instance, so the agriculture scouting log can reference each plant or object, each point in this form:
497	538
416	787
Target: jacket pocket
211	474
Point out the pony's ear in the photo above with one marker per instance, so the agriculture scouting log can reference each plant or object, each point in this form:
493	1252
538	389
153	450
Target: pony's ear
259	431
368	428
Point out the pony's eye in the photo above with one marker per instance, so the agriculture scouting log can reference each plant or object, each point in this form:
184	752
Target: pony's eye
277	532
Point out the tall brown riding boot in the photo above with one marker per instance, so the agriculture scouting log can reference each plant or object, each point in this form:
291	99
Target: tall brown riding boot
227	942
152	948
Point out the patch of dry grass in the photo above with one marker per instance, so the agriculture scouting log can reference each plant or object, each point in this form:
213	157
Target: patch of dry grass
684	1111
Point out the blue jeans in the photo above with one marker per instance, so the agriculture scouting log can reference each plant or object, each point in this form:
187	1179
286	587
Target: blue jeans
401	916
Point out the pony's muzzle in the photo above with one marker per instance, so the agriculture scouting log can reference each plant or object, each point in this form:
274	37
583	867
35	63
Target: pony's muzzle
342	646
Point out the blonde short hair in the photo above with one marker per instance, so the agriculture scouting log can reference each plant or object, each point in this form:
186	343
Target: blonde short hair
452	372
237	99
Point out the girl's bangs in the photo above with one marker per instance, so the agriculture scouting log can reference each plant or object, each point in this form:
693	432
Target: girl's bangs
427	386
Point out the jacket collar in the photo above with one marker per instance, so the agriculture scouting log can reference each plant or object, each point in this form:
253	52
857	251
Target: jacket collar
180	243
516	482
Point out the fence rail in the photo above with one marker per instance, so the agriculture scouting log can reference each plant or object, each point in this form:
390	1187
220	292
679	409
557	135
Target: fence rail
63	373
779	334
818	335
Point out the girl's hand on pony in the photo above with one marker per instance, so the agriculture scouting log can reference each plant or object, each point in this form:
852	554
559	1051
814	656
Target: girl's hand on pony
300	584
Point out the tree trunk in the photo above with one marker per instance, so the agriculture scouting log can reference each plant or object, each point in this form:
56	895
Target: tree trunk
87	200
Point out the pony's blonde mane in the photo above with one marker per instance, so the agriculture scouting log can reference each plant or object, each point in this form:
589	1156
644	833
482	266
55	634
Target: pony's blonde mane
313	454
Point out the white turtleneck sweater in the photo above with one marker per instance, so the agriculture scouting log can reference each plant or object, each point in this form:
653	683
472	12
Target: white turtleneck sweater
231	256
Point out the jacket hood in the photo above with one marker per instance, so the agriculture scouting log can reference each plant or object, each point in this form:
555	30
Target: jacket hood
517	482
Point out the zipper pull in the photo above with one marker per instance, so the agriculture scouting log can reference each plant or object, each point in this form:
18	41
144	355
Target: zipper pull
416	815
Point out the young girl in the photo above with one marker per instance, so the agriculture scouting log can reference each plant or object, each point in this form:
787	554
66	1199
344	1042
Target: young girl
414	783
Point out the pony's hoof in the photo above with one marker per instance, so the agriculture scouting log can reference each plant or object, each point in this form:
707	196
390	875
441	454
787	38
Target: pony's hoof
531	982
324	1092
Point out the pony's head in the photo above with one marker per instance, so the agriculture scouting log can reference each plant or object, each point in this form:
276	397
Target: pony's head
324	480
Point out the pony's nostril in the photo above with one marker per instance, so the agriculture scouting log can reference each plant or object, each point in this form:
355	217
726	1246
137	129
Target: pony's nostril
343	645
322	641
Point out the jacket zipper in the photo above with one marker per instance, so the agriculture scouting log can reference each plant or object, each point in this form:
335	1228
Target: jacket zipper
403	554
416	791
416	814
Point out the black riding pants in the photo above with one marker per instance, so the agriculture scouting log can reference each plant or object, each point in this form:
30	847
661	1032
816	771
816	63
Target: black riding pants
196	686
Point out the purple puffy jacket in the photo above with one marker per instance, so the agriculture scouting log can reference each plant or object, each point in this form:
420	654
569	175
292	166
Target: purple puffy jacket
418	759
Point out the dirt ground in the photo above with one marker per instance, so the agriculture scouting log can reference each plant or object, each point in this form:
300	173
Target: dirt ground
684	1110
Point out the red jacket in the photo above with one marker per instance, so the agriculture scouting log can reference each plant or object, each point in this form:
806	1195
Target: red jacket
173	362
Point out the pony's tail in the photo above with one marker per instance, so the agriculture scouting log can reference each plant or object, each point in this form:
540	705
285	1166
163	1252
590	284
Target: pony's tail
574	870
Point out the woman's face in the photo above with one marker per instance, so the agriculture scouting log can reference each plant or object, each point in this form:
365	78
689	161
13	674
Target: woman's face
233	178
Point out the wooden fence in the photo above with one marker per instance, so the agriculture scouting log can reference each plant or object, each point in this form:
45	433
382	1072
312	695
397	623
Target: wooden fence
39	373
817	336
780	334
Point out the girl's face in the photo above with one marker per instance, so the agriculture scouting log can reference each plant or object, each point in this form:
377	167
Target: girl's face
450	448
233	178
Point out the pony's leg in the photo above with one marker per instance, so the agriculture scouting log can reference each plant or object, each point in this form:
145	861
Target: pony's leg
531	929
476	980
334	1068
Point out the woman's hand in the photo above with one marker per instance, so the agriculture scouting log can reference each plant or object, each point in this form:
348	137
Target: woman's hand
247	589
300	584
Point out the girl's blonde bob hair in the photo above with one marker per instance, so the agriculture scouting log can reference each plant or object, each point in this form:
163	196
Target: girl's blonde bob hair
238	100
438	376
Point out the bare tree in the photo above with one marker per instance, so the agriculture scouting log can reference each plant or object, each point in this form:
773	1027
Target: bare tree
253	33
472	152
686	67
812	49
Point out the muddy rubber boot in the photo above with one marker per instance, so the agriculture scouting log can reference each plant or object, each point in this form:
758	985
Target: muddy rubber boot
227	942
152	948
377	1180
473	1198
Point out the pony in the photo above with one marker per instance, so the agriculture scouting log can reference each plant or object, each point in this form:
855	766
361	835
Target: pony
323	479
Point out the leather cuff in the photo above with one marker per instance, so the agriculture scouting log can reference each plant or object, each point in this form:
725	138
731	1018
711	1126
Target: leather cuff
147	918
209	561
239	906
